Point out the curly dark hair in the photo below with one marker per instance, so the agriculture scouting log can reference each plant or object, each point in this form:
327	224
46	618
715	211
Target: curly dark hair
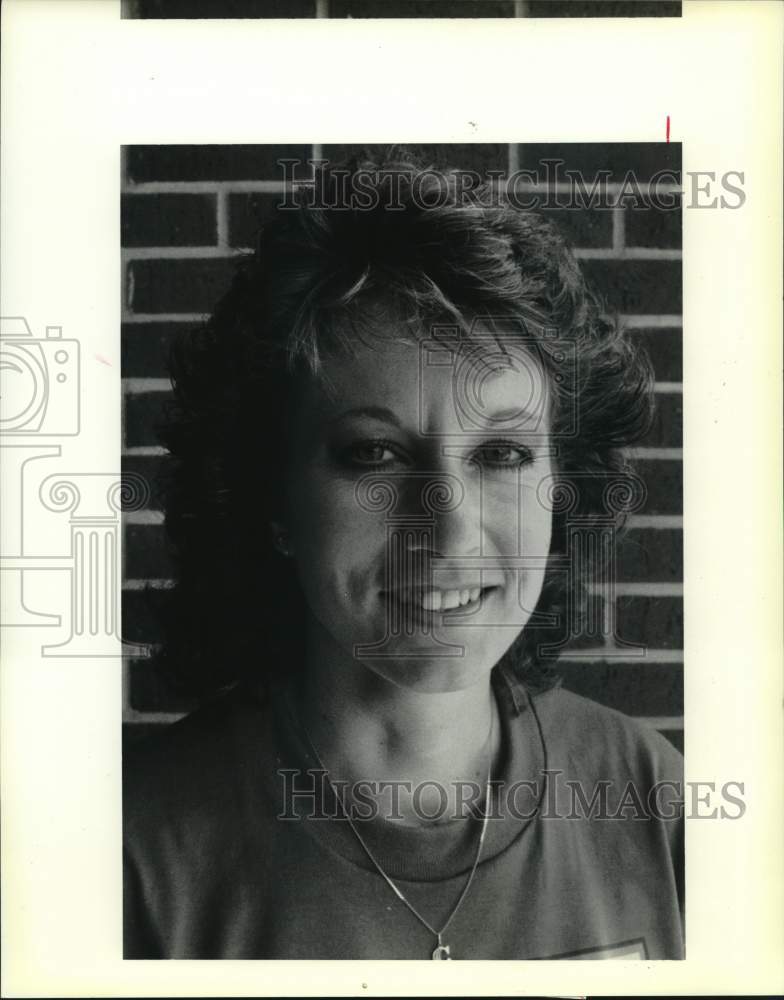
319	273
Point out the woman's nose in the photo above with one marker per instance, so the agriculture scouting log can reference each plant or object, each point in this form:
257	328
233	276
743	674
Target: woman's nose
451	510
436	511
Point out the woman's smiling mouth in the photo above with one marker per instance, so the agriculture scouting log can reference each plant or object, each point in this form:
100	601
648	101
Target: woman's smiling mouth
448	600
441	600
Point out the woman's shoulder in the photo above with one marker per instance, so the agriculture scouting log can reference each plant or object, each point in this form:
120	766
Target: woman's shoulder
594	737
195	760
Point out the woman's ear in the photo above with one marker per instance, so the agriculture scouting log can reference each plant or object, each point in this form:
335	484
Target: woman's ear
280	539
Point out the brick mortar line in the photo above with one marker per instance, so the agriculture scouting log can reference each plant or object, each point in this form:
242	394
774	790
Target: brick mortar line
144	451
222	249
132	716
641	589
222	220
619	228
619	589
629	321
129	283
652	321
603	654
141	583
131	318
599	654
204	187
269	186
636	522
608	613
654	454
143	517
662	454
138	385
135	386
655	521
125	686
206	251
628	253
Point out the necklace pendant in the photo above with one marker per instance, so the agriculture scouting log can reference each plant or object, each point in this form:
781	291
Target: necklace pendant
441	953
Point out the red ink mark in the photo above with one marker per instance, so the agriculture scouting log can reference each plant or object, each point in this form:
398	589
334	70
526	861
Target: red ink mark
668	128
99	357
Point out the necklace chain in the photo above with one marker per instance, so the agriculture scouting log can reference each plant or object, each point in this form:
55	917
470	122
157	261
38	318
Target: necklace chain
441	951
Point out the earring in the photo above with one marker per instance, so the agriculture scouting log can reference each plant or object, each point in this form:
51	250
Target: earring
280	539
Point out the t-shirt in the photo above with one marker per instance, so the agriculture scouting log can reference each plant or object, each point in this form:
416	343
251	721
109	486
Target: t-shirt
235	846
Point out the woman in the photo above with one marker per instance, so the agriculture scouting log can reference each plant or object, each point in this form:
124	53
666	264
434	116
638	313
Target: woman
391	441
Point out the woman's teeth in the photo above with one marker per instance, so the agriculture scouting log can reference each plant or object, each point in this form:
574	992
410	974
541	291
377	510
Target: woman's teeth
445	600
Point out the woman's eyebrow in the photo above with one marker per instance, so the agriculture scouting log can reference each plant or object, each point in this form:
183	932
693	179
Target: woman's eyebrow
374	412
513	413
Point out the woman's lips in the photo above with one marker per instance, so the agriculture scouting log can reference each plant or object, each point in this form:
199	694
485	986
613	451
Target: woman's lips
447	600
433	600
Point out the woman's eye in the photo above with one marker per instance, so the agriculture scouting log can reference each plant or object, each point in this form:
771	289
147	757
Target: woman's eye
503	455
371	454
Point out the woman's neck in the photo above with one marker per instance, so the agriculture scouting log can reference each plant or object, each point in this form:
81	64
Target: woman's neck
366	728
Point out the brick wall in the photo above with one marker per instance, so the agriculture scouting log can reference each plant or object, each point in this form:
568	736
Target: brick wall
187	210
399	8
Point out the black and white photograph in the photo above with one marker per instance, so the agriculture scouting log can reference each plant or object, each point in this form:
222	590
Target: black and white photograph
390	448
413	558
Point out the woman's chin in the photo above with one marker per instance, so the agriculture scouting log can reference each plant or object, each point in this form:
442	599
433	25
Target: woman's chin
431	674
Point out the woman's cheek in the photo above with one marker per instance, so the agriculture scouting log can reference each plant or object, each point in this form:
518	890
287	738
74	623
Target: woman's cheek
336	540
536	520
514	522
320	507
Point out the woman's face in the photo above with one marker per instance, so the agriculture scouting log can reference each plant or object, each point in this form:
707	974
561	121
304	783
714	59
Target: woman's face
414	514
